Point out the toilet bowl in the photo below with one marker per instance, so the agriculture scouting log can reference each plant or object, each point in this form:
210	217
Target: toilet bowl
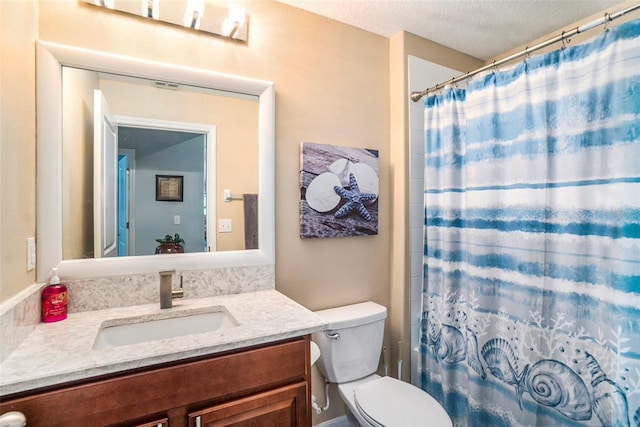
349	356
385	401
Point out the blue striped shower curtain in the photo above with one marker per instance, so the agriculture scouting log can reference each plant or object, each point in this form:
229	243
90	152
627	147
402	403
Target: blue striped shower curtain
531	297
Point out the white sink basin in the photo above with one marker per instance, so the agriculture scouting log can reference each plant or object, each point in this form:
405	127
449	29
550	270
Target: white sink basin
134	330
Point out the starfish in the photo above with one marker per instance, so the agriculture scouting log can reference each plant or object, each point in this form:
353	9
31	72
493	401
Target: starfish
355	199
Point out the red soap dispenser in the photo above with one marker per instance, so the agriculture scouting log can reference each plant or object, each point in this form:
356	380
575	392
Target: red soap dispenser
54	300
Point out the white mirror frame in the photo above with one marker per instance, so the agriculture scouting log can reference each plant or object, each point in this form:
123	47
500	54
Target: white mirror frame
51	57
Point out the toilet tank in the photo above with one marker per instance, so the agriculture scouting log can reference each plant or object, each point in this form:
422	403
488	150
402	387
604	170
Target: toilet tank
350	347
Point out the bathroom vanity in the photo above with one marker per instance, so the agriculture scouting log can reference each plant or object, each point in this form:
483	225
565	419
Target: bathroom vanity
265	385
254	372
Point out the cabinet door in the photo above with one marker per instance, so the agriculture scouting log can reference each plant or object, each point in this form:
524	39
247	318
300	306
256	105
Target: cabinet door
285	406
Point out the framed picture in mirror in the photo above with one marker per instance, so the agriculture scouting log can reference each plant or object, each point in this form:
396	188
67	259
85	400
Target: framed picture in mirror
169	188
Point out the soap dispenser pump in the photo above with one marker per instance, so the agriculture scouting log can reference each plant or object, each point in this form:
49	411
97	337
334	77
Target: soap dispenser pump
54	299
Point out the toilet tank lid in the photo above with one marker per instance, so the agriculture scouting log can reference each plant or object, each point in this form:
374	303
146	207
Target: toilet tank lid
353	315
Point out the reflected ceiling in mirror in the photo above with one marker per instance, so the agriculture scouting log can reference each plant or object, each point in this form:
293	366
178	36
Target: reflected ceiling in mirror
208	138
52	58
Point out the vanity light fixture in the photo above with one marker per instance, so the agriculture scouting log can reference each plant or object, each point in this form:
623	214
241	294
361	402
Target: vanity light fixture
193	14
200	15
109	4
234	21
150	9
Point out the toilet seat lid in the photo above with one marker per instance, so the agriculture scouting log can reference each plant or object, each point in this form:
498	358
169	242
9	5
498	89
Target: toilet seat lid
390	402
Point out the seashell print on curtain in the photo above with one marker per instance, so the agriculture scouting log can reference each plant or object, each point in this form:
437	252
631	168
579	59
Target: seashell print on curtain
531	296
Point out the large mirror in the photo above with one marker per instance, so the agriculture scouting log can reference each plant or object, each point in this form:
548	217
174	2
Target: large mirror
175	130
190	142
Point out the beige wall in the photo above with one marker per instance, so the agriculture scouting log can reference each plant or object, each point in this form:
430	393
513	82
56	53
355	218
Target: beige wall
77	161
402	46
18	28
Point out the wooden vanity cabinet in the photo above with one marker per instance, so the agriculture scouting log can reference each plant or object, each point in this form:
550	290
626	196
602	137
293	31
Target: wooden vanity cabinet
261	386
277	407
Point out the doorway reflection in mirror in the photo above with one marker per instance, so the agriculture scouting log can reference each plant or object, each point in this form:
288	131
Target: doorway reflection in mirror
208	137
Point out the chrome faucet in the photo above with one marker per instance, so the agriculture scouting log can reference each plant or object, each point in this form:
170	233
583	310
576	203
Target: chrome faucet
167	294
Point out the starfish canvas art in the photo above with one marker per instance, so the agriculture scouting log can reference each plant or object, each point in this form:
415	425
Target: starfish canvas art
355	199
338	191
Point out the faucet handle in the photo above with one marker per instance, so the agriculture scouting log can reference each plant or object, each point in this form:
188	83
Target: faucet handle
167	273
178	293
166	279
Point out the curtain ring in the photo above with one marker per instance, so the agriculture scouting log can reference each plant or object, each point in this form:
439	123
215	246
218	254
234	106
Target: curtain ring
607	19
564	44
495	69
568	40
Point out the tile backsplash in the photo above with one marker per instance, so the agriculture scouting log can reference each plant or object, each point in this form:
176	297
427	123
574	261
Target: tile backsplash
20	315
123	291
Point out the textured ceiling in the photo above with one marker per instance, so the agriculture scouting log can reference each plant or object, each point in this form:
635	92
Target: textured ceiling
480	28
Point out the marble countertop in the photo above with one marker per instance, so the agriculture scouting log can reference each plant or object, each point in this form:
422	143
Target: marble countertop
55	353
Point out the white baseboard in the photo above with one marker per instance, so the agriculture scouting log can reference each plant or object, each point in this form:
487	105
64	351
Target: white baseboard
335	422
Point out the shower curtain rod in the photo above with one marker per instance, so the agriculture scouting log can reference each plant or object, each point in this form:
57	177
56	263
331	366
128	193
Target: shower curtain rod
416	96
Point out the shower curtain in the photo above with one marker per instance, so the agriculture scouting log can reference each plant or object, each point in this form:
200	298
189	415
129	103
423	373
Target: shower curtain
531	295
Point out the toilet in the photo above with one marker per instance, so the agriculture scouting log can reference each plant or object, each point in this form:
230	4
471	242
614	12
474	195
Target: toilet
349	355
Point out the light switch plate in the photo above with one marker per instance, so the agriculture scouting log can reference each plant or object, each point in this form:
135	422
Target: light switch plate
224	226
31	253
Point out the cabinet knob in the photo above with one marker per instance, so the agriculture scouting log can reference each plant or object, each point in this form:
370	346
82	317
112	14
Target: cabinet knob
13	419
